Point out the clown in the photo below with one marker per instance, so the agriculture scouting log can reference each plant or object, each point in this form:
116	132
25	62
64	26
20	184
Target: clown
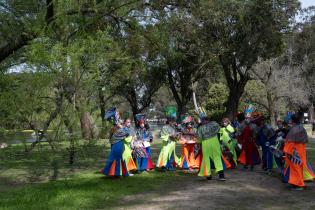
115	164
167	158
190	157
227	137
142	146
127	154
211	151
296	169
246	136
265	138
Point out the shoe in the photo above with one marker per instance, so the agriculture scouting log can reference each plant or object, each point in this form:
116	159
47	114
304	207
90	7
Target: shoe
209	177
130	174
297	188
222	179
221	176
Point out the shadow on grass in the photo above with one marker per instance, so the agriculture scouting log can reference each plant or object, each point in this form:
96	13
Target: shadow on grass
91	191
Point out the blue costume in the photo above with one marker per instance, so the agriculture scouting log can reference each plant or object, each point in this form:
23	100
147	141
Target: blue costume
265	138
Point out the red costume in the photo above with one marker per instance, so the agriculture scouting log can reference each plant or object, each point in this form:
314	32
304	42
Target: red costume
249	154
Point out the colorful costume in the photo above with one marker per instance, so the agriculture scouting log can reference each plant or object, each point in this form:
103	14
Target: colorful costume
281	134
229	142
127	154
265	138
211	150
142	143
190	157
115	165
167	157
296	169
249	153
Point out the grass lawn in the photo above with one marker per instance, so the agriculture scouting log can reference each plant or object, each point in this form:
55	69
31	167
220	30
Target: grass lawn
43	179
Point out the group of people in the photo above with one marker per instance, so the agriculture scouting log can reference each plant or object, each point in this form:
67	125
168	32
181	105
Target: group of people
208	146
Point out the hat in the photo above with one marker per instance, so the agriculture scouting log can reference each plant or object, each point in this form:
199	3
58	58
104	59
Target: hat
202	113
170	112
186	119
240	116
140	118
257	117
112	115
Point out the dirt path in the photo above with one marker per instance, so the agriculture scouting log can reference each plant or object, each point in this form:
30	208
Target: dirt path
243	190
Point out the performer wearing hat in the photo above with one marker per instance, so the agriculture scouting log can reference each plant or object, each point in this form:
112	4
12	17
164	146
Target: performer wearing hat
246	134
190	149
296	169
115	165
281	134
142	149
211	150
127	154
167	158
265	138
227	136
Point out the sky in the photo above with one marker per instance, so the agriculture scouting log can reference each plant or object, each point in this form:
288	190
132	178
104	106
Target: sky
307	3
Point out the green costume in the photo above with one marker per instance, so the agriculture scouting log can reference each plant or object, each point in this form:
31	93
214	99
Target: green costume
229	142
167	155
127	153
211	150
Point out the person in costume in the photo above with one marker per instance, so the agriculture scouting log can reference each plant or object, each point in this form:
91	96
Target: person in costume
246	134
296	169
115	164
228	139
167	158
281	134
282	129
142	146
265	138
190	149
127	154
207	133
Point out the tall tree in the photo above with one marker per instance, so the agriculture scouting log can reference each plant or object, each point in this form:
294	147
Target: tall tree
244	31
280	80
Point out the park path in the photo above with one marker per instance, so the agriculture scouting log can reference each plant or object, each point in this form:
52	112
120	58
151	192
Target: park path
244	189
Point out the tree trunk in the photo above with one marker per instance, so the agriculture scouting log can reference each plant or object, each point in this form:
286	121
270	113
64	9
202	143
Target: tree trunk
311	112
71	138
271	107
103	110
135	111
43	133
88	129
181	110
233	101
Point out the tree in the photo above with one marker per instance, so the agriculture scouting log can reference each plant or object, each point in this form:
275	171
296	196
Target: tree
185	61
279	80
244	31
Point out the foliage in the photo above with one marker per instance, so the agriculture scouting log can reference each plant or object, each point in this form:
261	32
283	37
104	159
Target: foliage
216	98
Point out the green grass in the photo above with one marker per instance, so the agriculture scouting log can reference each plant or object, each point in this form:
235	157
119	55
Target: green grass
43	179
87	191
26	178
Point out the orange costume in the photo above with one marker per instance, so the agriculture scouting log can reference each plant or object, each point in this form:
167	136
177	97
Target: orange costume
296	169
190	157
